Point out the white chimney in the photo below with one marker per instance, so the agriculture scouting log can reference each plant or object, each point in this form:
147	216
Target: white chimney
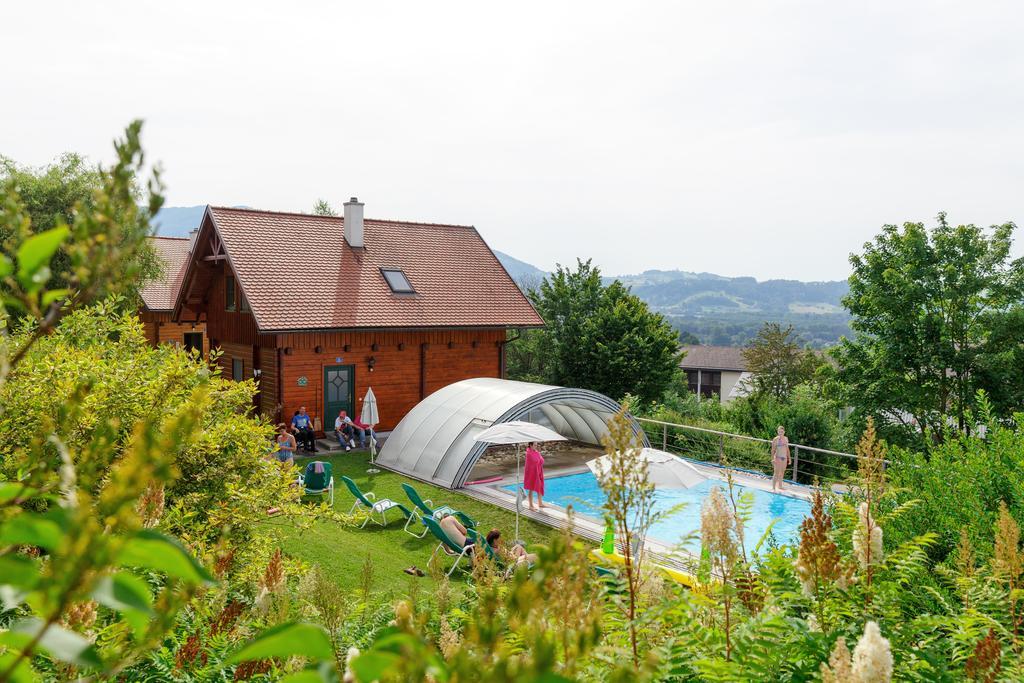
192	235
354	223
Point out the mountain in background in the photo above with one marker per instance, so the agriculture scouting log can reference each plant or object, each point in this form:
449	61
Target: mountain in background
176	221
714	308
521	271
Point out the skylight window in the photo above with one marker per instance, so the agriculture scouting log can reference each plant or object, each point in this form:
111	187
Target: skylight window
397	281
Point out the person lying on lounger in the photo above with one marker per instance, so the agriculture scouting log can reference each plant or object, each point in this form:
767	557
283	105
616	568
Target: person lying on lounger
451	526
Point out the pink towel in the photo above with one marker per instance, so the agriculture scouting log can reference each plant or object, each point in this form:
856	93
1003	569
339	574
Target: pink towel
318	467
533	477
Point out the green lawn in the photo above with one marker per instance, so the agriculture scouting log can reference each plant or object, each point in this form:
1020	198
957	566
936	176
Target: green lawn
341	550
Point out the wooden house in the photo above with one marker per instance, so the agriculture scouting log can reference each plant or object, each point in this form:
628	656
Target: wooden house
159	295
317	309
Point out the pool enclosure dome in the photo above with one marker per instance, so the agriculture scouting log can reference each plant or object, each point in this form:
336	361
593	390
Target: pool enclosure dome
434	441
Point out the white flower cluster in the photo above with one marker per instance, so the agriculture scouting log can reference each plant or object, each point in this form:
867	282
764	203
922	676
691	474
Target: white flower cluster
867	538
871	661
872	658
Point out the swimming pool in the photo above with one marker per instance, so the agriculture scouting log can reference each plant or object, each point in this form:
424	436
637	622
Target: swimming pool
585	495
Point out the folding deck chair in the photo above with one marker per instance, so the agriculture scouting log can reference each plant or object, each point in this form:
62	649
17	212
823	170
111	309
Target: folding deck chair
377	508
424	507
318	480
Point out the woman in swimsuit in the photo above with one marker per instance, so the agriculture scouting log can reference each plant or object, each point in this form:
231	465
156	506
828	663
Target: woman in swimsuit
780	458
285	445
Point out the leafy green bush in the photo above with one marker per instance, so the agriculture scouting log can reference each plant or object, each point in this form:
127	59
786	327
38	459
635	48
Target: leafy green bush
961	483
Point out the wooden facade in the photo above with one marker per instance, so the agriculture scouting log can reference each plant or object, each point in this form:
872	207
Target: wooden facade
289	369
406	367
161	329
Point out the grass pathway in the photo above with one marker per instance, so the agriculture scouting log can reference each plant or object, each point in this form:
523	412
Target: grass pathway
341	551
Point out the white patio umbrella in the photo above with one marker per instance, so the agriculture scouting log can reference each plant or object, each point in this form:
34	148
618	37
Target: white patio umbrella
517	432
664	470
371	417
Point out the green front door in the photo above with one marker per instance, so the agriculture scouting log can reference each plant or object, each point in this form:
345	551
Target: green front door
339	392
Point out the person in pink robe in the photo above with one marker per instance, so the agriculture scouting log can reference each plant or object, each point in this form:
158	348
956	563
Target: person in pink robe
533	476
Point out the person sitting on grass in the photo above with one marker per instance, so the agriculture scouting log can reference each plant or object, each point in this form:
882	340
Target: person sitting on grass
345	431
302	427
516	554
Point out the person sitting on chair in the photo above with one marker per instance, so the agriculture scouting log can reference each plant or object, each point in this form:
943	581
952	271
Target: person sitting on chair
344	430
363	430
302	426
516	553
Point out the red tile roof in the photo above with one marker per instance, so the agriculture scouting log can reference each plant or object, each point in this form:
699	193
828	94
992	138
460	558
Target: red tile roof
298	273
161	293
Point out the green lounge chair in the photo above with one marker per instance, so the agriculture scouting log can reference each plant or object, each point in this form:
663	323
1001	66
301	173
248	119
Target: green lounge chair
315	483
446	544
376	507
507	568
424	507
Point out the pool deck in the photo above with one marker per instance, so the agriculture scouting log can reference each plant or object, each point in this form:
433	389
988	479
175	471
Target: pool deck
592	529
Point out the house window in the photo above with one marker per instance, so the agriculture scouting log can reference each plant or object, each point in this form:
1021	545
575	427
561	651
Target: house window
237	369
397	281
691	381
707	382
243	303
194	342
229	293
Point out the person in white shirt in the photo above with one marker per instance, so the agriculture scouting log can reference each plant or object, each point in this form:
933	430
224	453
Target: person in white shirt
345	431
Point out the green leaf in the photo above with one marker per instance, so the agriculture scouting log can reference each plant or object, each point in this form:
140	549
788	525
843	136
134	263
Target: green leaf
374	665
6	268
22	673
36	252
19	570
324	672
31	529
60	643
123	592
307	676
9	490
55	295
149	549
287	640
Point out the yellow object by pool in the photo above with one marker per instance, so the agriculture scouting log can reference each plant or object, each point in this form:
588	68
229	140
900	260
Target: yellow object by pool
676	575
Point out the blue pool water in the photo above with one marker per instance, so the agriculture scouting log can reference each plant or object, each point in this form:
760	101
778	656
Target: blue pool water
583	493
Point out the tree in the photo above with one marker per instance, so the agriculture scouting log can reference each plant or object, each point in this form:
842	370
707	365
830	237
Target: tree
924	305
776	362
687	337
597	337
54	194
322	208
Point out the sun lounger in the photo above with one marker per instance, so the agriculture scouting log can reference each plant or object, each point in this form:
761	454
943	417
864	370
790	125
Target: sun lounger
376	508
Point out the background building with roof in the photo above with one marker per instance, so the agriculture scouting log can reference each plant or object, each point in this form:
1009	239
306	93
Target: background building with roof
715	371
317	309
159	295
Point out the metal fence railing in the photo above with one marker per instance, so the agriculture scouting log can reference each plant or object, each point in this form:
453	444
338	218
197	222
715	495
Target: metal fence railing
747	452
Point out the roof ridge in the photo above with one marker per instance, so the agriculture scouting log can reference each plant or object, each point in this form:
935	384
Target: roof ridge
365	220
168	237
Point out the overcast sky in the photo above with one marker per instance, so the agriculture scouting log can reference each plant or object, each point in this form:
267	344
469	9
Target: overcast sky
762	138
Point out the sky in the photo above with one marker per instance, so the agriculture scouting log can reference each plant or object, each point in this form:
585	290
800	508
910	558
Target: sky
766	139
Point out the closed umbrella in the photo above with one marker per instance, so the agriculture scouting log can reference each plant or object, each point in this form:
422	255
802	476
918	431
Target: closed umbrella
371	417
517	432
